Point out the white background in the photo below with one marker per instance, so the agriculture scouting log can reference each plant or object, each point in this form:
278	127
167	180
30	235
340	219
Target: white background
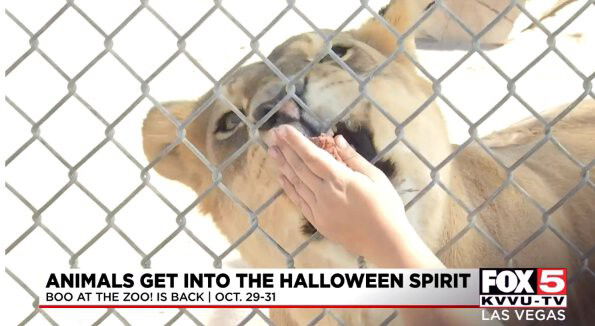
145	44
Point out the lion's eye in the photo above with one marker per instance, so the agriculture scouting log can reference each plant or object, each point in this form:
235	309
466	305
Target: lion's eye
339	50
227	123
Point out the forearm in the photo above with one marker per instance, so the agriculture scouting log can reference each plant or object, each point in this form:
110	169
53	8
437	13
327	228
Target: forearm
403	248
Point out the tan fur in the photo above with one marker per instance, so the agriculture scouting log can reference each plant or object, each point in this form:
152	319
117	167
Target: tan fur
472	175
400	15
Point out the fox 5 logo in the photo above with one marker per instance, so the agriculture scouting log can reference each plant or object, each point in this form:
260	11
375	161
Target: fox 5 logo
523	281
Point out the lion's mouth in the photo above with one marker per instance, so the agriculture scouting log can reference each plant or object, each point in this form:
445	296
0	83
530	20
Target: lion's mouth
359	135
291	113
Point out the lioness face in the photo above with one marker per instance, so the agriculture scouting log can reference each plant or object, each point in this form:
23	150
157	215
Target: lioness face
323	93
325	96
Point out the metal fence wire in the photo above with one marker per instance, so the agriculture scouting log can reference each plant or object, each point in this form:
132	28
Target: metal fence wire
111	222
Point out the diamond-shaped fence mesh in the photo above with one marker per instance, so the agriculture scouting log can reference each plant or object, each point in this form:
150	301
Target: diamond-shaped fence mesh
66	164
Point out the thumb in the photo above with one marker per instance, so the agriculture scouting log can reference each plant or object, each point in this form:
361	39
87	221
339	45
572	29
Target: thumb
354	160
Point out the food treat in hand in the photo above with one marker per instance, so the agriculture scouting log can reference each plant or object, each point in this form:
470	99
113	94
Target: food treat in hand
327	142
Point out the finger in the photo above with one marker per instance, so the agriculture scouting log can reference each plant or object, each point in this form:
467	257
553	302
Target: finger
289	190
319	161
291	161
354	160
302	189
295	198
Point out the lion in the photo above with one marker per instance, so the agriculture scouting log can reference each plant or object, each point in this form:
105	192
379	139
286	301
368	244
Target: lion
513	199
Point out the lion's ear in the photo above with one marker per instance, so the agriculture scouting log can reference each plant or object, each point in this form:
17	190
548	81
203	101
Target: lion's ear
401	15
179	163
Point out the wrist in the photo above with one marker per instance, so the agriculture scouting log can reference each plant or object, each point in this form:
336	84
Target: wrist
402	247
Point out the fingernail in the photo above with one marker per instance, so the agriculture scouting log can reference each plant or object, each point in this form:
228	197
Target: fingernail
274	152
341	142
281	131
273	134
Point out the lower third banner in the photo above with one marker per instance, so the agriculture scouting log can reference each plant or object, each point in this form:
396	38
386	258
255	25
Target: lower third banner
263	288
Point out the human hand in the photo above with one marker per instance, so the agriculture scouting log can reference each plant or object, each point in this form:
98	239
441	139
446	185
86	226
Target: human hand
353	204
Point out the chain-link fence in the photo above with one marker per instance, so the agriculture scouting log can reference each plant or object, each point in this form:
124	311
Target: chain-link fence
127	188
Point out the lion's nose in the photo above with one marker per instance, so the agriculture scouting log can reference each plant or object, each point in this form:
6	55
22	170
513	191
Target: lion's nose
288	112
280	111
